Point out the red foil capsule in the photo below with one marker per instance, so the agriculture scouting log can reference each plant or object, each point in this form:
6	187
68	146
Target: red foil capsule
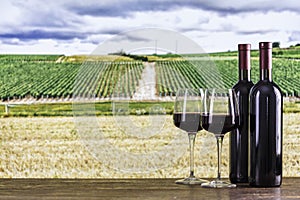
244	56
265	55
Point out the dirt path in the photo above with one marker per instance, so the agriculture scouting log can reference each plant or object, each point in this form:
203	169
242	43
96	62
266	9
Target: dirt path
146	89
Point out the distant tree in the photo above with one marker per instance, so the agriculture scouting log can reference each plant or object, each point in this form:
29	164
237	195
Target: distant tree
119	53
297	45
276	45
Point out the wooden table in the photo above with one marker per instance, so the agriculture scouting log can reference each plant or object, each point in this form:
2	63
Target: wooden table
136	189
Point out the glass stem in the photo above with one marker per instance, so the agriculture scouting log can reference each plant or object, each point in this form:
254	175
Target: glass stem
219	146
192	137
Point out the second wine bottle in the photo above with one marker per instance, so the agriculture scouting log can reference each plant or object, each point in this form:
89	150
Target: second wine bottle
265	125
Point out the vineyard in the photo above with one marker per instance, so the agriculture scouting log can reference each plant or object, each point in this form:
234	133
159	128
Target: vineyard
105	79
38	77
46	76
217	72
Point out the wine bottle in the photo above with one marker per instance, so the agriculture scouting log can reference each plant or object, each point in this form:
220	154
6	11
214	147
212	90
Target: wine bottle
239	137
265	125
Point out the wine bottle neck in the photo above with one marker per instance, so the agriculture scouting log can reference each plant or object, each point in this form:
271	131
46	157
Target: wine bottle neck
266	74
244	74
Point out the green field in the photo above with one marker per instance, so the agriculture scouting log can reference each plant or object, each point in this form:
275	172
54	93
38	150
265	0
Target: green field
103	108
66	109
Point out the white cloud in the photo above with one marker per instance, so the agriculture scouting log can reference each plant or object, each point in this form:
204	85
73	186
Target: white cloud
10	15
216	25
49	46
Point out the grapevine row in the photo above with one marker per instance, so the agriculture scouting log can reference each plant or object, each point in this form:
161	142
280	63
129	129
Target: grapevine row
60	80
171	75
31	78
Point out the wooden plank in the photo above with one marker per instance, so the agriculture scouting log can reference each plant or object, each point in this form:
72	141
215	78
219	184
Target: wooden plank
135	189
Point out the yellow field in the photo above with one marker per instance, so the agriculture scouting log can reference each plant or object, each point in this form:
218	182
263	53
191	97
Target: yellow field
127	147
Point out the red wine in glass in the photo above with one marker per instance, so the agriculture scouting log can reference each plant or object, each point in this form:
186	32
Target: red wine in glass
187	110
220	114
191	122
219	124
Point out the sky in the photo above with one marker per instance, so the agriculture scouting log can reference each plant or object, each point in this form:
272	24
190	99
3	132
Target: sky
79	27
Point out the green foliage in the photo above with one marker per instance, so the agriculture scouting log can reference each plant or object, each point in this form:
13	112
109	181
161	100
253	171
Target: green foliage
27	58
66	109
101	108
289	53
36	79
41	76
276	45
292	52
108	79
172	75
49	79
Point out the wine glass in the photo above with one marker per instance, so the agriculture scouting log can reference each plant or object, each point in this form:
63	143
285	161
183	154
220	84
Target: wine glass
220	115
187	111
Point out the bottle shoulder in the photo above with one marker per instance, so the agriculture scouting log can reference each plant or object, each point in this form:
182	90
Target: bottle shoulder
243	86
265	87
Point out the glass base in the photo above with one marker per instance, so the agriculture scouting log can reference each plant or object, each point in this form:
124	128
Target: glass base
191	181
218	184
